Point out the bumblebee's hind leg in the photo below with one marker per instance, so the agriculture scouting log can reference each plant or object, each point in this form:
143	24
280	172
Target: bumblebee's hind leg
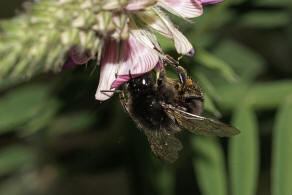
124	101
123	98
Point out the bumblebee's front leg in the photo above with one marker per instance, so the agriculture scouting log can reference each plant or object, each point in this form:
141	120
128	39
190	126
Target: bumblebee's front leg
182	75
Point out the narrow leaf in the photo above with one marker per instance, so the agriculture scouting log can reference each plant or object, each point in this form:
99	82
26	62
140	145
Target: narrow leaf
243	60
210	106
282	144
165	181
209	165
266	19
267	95
21	104
244	153
213	62
13	158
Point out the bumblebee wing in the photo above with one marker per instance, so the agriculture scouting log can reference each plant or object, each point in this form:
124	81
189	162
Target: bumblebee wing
200	125
164	145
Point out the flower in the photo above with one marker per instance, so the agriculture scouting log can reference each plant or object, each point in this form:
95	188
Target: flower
126	30
76	57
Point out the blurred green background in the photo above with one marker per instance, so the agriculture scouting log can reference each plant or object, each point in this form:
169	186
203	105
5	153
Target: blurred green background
55	138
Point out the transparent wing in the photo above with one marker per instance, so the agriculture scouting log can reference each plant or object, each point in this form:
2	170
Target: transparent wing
164	145
200	125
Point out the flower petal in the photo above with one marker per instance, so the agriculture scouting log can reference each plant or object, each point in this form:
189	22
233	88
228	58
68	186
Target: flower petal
181	43
207	2
154	21
78	56
137	59
183	8
123	79
109	68
68	64
134	5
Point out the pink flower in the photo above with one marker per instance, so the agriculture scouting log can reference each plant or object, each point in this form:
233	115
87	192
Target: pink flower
119	59
128	40
76	57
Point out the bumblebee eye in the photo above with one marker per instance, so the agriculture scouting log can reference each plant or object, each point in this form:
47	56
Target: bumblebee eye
176	86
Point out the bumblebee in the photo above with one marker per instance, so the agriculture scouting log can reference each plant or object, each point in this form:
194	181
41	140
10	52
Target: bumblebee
164	106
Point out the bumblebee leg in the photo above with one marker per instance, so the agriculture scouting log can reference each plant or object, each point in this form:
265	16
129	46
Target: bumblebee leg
124	101
182	74
113	91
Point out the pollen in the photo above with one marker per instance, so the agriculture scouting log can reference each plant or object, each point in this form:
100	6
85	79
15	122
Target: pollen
189	82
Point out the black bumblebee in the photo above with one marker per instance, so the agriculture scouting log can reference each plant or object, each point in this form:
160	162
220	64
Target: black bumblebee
162	107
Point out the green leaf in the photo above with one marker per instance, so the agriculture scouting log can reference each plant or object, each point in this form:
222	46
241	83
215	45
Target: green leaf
165	181
213	62
264	95
209	165
246	63
285	3
231	94
270	94
244	152
210	106
14	157
44	119
21	104
72	122
265	19
282	144
207	85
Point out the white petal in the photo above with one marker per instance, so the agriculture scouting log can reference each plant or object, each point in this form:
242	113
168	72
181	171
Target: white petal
134	5
207	2
155	22
182	45
109	68
183	8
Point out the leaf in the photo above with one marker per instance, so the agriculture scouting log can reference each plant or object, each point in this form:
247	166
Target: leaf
261	95
21	104
265	19
244	152
72	122
44	119
231	94
269	95
210	106
273	2
213	62
14	157
207	85
209	165
281	155
246	63
165	181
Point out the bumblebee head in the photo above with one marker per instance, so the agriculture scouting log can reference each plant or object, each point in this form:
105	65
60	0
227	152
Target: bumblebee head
140	85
